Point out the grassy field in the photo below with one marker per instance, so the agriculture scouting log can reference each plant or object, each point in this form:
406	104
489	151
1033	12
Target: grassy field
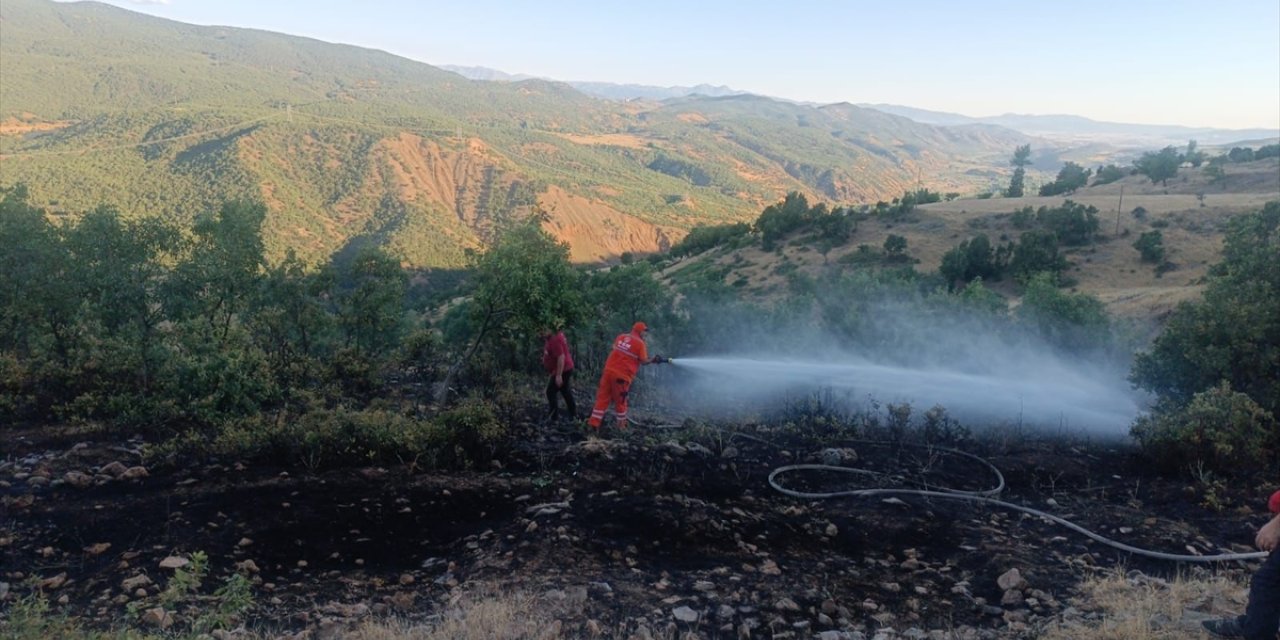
1110	268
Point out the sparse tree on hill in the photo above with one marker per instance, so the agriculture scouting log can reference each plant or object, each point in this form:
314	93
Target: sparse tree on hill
1193	156
1021	158
895	247
1159	166
1071	177
1151	246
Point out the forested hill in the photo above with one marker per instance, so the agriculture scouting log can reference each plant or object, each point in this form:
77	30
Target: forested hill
99	105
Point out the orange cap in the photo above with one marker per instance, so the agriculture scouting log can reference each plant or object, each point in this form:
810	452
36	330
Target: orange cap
639	328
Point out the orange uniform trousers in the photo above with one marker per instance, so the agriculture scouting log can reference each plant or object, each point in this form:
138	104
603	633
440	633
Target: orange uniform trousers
613	389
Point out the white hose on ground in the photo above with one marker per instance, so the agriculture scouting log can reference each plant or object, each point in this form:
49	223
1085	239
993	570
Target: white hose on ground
986	496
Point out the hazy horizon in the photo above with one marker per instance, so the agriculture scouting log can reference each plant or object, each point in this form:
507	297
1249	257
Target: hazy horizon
1179	63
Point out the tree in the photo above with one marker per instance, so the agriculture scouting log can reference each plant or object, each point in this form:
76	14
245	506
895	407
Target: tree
120	267
370	301
1151	246
1021	158
1074	223
895	246
972	259
1234	333
227	256
780	219
1035	252
1108	174
1159	166
1071	177
1193	156
1071	321
524	283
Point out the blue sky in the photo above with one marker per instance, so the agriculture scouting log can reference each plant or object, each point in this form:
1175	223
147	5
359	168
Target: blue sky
1197	63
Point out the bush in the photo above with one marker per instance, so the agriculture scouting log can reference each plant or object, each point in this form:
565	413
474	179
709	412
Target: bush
1220	430
1151	246
702	238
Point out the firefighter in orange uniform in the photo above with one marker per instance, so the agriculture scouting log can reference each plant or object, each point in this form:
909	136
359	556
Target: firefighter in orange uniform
629	352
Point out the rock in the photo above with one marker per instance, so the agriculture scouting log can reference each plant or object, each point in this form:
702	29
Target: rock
786	604
729	453
174	562
694	447
832	530
1011	579
725	612
248	566
244	542
704	585
136	582
78	479
97	549
770	568
37	481
685	614
114	469
134	473
54	582
158	617
4	590
1012	598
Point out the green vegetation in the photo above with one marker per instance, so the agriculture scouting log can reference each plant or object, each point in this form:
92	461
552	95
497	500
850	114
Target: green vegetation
342	144
1071	177
1017	183
1108	174
1151	245
975	259
1159	166
1215	354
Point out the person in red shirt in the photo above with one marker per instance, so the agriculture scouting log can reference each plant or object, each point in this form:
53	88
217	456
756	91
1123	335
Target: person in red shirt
558	363
628	354
1262	615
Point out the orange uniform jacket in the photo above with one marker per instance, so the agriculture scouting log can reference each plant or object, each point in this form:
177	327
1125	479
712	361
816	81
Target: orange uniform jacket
628	352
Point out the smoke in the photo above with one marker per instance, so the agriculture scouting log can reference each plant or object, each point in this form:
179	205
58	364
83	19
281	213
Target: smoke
1044	394
870	346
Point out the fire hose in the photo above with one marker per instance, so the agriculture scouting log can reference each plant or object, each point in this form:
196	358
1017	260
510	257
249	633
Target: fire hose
985	496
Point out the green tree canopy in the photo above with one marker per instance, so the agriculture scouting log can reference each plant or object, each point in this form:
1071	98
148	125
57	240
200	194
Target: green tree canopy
1159	166
1234	333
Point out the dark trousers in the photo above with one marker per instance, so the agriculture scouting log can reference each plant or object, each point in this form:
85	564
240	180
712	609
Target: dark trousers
564	390
1262	616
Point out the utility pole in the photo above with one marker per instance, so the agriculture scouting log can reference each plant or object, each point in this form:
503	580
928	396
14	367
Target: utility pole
1119	206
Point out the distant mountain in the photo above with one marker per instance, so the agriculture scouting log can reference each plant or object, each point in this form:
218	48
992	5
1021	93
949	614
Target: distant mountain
350	146
606	90
1068	126
487	74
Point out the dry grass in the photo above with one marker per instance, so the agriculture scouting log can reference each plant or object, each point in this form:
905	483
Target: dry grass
484	617
1143	608
607	139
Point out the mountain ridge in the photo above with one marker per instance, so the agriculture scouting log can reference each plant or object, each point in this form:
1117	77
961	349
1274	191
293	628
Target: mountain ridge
352	145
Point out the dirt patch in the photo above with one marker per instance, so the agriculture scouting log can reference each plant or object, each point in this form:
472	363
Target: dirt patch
608	140
595	231
692	117
15	127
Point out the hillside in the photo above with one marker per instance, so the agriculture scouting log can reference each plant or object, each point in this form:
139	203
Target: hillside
349	145
1110	268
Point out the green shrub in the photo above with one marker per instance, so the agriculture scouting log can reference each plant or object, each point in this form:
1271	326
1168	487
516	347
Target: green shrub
1151	245
1220	430
471	431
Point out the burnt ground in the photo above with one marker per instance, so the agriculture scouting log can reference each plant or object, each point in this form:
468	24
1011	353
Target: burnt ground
621	534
